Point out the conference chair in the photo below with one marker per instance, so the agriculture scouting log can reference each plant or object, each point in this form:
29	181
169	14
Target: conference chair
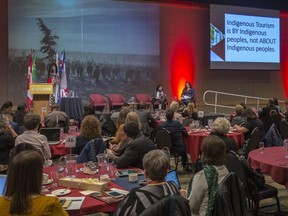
252	143
116	100
98	101
283	128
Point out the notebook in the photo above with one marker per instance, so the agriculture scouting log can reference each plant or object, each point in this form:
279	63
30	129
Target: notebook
2	184
52	134
172	176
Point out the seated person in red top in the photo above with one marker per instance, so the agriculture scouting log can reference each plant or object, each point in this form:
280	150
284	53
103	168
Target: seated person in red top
136	149
252	122
23	188
177	131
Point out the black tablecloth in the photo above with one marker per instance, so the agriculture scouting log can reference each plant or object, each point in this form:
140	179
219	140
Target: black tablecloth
73	107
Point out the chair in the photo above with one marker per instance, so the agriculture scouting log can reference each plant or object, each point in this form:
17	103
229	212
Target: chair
91	150
144	98
116	100
172	205
283	129
240	166
162	138
98	101
253	142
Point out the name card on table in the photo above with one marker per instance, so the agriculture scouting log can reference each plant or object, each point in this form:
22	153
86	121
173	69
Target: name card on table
70	141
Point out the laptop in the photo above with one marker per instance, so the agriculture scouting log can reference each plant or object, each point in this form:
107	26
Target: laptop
52	134
2	184
172	176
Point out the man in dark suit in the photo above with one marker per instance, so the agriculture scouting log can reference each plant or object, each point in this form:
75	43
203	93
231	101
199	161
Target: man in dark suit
136	149
146	119
177	131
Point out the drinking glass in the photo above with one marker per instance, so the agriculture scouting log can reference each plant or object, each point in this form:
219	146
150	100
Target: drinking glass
285	145
261	147
55	176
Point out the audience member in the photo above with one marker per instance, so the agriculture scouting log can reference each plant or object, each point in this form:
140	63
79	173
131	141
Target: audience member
19	114
57	118
175	107
177	131
285	113
7	139
205	183
132	116
252	122
160	97
146	119
238	118
122	117
190	112
188	94
89	129
14	125
156	165
220	128
118	144
22	147
88	110
244	105
23	188
31	136
7	106
276	104
136	149
267	113
115	115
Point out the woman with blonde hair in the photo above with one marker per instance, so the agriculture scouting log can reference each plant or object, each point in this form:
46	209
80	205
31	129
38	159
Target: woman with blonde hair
118	144
190	112
175	107
132	116
90	129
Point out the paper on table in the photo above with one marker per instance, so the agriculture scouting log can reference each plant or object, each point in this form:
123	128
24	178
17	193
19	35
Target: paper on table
76	202
87	192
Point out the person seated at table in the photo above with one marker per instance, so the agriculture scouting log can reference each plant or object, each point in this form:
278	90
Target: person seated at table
252	122
132	116
20	113
175	107
122	117
57	118
89	129
285	113
136	149
156	165
201	199
177	131
190	112
22	147
188	94
7	139
32	123
220	128
23	188
7	106
118	144
14	125
146	119
268	114
238	117
115	115
160	97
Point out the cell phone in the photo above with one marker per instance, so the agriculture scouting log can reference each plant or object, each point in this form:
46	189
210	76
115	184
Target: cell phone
114	194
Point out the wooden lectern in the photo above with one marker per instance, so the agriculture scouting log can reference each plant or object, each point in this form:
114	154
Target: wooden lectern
41	94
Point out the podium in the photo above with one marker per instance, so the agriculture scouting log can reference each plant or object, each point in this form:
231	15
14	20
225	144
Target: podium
41	94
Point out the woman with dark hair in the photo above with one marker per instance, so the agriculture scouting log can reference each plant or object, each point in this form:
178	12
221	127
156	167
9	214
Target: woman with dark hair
188	94
159	96
22	147
23	188
201	200
7	106
122	117
252	122
19	114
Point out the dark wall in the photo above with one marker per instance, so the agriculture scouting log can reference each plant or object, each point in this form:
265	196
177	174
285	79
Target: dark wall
3	50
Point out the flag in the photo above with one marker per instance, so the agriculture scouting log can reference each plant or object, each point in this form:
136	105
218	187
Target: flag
55	80
34	71
29	81
62	74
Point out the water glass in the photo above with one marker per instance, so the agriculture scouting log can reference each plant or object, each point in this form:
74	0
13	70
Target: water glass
261	147
285	145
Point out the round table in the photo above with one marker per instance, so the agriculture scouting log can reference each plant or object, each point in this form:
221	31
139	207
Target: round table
272	162
193	142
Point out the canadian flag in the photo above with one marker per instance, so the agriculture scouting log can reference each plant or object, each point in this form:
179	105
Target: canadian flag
29	81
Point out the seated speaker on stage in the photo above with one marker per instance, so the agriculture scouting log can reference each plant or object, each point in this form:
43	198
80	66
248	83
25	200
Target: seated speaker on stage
188	94
57	118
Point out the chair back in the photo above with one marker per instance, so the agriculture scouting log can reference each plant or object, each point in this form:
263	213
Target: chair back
97	99
253	142
187	122
283	129
143	98
116	99
162	138
172	205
